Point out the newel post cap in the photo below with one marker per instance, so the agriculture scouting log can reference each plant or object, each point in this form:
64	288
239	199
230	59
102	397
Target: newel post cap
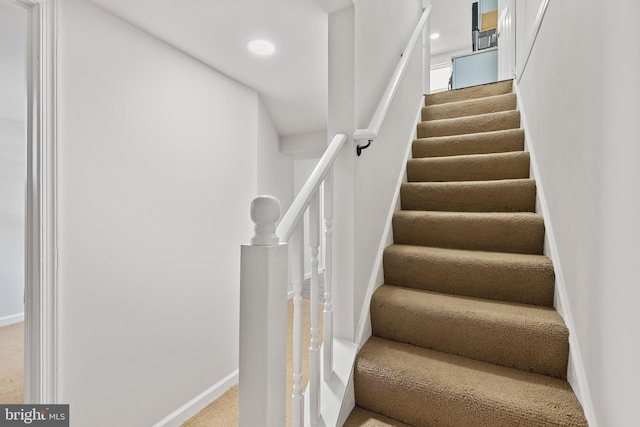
265	212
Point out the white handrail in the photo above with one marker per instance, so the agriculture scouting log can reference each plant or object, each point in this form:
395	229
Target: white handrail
264	271
296	210
371	132
532	41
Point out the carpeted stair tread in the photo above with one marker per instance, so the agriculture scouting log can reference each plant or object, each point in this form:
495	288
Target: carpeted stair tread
520	278
472	167
509	195
498	141
362	418
470	124
470	107
464	329
517	232
473	92
527	337
423	387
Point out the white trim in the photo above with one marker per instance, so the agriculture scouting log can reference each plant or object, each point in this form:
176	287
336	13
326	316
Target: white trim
41	308
364	322
195	405
576	375
290	220
335	391
440	66
10	320
532	41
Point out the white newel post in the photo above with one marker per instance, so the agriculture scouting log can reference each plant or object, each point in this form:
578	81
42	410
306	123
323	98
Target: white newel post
263	320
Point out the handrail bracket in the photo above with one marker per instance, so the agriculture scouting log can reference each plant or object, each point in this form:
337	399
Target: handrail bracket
359	147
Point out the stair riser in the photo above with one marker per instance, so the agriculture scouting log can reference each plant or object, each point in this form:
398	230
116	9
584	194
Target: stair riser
540	347
512	282
478	143
513	196
473	124
513	234
469	168
475	92
470	108
362	418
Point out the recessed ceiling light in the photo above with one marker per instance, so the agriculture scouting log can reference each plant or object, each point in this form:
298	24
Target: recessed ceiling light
435	36
261	47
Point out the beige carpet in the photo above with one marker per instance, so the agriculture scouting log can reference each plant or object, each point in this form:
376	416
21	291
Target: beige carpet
12	364
223	412
464	329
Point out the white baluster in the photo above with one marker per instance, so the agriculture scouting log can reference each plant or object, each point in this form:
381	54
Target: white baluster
327	323
263	320
314	350
297	274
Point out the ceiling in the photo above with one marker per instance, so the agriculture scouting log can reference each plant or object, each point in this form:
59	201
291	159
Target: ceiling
452	20
293	81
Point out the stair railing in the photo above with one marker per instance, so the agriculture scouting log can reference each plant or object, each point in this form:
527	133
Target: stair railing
265	273
371	132
274	259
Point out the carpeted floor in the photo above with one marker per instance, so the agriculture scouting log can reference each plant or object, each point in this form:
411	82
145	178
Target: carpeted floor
223	412
12	364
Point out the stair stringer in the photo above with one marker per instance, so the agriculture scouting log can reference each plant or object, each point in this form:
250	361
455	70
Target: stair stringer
363	330
576	375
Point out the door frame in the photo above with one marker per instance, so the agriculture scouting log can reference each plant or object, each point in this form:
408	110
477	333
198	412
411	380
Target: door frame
507	39
41	375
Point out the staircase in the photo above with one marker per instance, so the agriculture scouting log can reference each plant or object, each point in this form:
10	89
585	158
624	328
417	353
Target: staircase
464	330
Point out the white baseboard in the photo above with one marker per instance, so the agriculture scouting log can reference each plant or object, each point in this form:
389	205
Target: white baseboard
10	320
196	404
335	391
576	375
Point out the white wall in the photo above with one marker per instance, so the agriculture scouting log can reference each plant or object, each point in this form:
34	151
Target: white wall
12	191
445	58
157	164
613	365
526	14
12	161
304	146
341	120
13	30
365	43
275	169
426	50
582	104
440	78
382	30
